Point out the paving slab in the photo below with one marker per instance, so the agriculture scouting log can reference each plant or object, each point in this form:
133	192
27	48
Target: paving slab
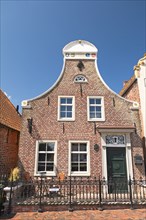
122	214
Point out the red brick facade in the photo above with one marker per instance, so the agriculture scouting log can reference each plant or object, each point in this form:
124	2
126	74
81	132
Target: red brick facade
119	114
10	122
9	141
131	91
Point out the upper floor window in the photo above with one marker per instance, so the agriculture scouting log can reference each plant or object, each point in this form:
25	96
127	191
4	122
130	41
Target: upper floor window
45	160
80	79
66	109
96	108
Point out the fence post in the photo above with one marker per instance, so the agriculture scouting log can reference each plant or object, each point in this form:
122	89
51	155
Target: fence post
130	190
115	187
10	198
70	209
40	202
100	200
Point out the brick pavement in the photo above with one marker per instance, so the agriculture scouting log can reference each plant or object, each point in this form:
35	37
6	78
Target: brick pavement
122	214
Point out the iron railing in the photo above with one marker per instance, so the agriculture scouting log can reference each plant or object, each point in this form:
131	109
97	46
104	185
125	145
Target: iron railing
74	191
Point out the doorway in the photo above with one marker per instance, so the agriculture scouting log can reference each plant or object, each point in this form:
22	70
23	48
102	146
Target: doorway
117	170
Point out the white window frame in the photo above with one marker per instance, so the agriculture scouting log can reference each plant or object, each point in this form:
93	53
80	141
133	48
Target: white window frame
49	173
102	108
73	109
80	79
79	173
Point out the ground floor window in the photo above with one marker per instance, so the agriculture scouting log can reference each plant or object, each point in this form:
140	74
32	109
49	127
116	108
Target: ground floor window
46	157
79	158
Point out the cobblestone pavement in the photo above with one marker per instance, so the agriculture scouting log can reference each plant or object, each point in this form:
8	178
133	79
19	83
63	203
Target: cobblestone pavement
122	214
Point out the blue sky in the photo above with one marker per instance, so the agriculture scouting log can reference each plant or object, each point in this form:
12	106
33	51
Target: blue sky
33	34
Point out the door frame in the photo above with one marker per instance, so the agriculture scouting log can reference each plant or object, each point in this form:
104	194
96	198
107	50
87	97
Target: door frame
126	145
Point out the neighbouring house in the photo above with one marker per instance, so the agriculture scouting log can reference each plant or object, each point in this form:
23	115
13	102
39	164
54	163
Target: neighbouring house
79	126
10	124
135	89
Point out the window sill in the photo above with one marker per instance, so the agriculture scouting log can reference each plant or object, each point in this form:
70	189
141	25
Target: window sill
79	174
47	174
96	119
65	119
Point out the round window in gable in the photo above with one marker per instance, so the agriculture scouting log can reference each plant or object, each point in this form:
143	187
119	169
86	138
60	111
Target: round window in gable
80	79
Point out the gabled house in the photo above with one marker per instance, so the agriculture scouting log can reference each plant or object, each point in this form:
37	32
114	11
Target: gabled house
135	89
80	126
10	125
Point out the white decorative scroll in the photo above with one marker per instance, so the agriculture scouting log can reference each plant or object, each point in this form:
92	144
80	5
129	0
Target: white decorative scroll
115	139
80	78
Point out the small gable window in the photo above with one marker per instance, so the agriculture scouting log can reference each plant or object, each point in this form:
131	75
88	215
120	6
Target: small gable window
80	79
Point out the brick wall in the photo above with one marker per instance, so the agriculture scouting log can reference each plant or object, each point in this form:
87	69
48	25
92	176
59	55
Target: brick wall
46	126
133	94
9	140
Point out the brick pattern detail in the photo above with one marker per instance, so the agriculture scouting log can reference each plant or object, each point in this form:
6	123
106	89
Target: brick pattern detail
46	126
132	93
10	123
8	114
9	140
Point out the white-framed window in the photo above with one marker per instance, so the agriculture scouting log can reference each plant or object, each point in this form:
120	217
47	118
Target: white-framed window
80	79
66	108
95	105
79	158
46	157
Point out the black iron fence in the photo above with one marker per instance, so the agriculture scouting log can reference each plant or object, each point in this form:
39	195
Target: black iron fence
73	191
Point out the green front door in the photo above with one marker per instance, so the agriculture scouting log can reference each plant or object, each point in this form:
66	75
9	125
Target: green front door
116	169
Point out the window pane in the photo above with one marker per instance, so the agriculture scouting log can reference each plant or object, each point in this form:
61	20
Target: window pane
98	101
63	100
50	157
83	157
69	108
69	100
69	114
74	157
92	115
98	108
83	147
92	108
41	157
62	114
63	108
42	146
41	166
74	147
83	167
92	101
98	115
50	146
74	167
50	167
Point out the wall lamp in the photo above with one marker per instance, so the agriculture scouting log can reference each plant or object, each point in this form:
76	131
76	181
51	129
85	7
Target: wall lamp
29	120
96	147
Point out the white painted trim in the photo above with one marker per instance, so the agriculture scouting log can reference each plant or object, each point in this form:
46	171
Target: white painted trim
53	173
116	130
127	146
79	46
69	159
50	89
60	76
114	93
102	109
73	108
